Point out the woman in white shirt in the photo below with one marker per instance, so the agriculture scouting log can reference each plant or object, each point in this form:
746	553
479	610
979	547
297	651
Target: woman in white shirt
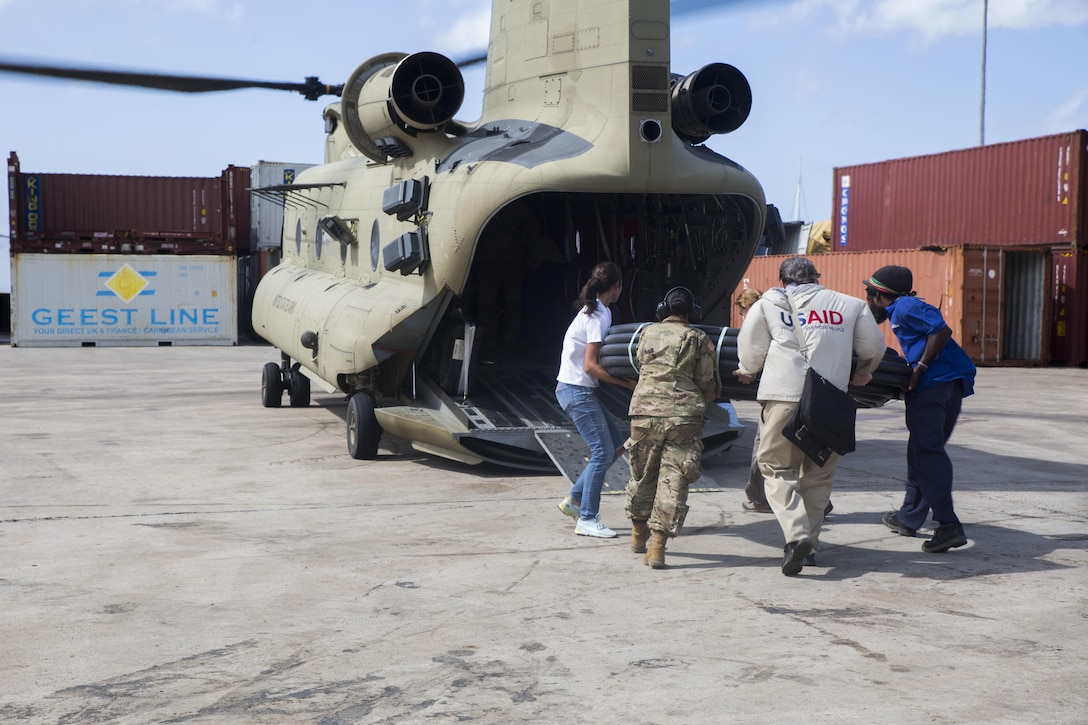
580	373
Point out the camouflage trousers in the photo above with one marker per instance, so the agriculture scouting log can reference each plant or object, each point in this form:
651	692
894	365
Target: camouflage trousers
666	457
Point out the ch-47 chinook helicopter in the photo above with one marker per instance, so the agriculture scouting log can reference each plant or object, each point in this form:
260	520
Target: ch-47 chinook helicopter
429	265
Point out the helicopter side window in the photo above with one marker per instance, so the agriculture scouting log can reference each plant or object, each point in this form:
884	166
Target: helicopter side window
298	238
319	237
375	245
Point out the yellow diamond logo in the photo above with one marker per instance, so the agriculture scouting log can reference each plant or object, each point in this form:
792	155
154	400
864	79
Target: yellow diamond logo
126	283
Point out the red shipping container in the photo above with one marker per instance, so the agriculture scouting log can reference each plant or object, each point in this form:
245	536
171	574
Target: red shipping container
74	213
1024	193
1069	308
999	301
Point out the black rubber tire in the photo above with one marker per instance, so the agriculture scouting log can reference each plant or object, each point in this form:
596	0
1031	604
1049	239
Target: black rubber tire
628	327
299	389
271	386
362	428
888	380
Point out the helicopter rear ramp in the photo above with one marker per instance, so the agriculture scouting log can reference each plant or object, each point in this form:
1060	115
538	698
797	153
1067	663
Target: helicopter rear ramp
515	407
570	454
511	418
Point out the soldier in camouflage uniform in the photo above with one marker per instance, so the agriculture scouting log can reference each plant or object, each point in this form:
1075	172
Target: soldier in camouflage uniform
677	379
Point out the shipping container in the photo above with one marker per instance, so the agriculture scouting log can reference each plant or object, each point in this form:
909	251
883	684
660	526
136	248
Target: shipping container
251	268
1069	308
91	213
1024	193
266	210
996	300
74	300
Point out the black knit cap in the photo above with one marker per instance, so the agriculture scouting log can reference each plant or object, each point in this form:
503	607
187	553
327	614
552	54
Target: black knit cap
892	280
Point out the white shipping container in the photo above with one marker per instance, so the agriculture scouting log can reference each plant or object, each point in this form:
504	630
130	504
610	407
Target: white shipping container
266	212
72	300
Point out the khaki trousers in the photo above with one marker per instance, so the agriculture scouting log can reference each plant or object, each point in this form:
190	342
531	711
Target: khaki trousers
797	489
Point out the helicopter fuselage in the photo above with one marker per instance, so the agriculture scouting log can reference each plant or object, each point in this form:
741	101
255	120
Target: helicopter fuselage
588	149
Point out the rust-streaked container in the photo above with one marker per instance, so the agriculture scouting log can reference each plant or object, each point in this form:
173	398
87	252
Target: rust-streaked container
1024	193
90	213
86	300
1069	308
996	300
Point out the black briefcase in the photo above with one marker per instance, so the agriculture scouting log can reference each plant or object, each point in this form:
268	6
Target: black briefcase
824	420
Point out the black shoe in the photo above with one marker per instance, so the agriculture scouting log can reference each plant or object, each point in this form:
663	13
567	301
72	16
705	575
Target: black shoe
795	554
810	560
947	536
891	520
829	508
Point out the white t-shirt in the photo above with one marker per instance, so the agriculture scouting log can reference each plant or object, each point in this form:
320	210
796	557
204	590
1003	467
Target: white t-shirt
583	329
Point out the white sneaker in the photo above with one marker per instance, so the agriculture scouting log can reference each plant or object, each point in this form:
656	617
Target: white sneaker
594	527
568	508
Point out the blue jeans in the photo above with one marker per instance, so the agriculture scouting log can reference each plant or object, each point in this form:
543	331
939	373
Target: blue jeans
600	433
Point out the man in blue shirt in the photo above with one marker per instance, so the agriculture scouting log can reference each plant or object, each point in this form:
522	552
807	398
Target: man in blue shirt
942	376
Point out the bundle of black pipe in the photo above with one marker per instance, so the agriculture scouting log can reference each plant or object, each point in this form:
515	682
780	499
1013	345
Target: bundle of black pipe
619	357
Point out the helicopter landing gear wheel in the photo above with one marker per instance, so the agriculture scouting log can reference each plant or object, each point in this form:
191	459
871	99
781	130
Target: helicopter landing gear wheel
363	429
271	386
299	389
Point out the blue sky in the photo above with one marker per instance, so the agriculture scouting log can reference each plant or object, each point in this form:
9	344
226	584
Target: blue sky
834	82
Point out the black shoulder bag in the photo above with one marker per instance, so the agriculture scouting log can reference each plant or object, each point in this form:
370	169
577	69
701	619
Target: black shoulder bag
824	420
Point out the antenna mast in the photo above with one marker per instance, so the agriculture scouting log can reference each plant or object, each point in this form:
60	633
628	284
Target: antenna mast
982	107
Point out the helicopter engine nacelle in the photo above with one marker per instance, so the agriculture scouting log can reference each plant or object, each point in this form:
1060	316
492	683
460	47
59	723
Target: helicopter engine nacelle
713	99
393	98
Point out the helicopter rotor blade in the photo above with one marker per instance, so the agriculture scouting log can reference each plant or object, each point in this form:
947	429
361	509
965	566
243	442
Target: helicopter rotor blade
680	8
311	88
473	60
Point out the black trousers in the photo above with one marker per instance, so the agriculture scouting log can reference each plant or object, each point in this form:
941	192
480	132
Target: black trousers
931	417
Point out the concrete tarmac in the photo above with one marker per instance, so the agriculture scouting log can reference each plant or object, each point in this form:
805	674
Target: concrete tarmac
175	553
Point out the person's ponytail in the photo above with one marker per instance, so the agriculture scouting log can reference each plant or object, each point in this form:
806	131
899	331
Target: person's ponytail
604	277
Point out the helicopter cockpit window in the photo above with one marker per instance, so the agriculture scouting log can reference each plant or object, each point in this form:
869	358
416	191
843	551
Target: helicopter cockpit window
298	238
330	123
375	245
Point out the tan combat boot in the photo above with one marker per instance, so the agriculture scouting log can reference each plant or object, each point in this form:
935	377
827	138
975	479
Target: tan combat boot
655	554
640	533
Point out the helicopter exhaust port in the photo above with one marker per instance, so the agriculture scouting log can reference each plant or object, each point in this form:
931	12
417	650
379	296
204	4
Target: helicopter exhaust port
392	98
714	99
426	90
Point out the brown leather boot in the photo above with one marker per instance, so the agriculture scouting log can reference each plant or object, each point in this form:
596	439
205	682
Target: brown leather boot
640	532
655	551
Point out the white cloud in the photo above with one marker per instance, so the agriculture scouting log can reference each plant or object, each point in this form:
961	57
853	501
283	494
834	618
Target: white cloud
1069	114
469	32
929	20
1037	13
